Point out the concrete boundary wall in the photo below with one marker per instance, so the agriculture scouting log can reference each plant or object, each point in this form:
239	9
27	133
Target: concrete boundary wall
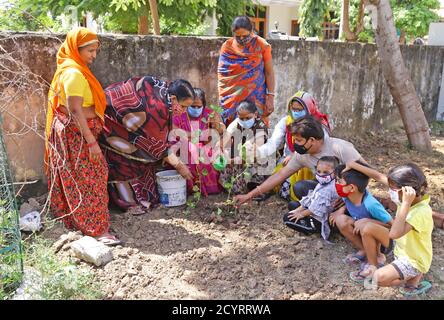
345	78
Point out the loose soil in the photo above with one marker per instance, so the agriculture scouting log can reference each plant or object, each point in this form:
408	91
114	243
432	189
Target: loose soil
174	254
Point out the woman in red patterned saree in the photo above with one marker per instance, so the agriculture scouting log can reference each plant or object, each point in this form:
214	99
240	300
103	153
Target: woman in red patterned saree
77	171
138	119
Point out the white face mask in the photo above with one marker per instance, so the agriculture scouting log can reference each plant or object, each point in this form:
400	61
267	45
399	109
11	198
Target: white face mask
394	196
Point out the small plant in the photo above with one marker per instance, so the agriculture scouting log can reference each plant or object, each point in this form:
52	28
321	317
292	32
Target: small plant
217	109
197	188
229	187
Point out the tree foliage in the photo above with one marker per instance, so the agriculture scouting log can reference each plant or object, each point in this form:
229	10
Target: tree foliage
411	16
176	16
313	13
414	16
226	11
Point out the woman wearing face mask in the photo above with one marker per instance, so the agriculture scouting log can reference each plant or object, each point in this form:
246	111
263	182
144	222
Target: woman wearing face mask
138	119
300	105
243	131
245	71
199	117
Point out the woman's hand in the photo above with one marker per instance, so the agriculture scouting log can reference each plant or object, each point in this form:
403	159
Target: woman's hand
269	104
286	160
184	171
95	153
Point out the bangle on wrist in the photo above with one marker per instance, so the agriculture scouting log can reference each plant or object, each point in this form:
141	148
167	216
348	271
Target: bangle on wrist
270	93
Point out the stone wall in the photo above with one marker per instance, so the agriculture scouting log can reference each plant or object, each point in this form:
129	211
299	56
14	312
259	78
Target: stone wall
345	78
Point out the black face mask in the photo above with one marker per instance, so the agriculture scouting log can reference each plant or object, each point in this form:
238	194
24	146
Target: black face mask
243	41
301	149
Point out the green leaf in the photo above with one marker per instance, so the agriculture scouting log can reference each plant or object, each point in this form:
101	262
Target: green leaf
204	172
196	189
228	186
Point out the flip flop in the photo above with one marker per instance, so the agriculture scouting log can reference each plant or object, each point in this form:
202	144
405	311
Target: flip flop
357	276
354	258
411	291
109	240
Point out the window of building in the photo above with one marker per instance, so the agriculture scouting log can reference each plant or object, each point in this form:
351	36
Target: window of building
330	29
258	15
295	28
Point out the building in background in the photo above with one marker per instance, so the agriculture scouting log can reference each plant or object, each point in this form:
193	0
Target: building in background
279	19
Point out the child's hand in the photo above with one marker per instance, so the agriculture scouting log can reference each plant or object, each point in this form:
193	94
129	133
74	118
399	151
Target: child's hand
334	215
295	215
359	225
408	195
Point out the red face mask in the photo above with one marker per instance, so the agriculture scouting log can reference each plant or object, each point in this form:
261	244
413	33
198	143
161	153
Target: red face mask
340	190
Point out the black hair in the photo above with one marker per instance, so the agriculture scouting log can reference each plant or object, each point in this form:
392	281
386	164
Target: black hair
200	94
248	106
353	176
241	22
182	89
307	127
334	161
408	175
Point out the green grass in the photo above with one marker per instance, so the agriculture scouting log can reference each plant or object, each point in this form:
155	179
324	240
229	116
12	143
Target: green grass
61	278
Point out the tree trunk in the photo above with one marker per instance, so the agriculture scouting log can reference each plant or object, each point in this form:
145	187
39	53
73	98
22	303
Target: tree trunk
143	25
155	17
341	25
397	76
349	36
352	35
402	39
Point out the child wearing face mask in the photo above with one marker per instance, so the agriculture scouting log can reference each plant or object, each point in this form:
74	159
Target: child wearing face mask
199	117
412	229
245	130
363	209
312	211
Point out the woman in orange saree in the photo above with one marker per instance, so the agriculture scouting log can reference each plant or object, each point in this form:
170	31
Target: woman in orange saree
245	72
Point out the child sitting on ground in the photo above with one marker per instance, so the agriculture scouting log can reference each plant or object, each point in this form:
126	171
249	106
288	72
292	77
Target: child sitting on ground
311	213
362	209
412	229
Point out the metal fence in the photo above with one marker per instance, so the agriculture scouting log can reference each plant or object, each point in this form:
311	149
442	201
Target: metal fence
11	261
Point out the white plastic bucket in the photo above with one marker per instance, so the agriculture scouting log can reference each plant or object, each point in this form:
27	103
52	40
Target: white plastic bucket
172	188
